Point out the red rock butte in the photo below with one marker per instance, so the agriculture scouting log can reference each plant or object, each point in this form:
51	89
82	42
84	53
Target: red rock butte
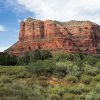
70	37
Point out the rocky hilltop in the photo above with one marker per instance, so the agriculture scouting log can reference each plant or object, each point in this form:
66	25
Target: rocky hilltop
72	36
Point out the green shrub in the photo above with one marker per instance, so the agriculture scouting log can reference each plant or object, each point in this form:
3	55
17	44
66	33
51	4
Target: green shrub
57	89
60	56
41	67
7	59
98	65
93	96
97	89
40	55
68	67
75	70
60	69
36	68
77	57
92	71
68	96
24	59
54	97
33	56
81	97
91	60
71	79
97	78
74	90
86	79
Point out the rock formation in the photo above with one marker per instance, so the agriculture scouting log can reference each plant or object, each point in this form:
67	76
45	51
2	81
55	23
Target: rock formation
72	36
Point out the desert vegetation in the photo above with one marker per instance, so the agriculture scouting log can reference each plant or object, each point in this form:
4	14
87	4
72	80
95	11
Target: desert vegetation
39	75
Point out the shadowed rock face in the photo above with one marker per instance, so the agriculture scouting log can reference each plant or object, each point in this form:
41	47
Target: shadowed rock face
69	36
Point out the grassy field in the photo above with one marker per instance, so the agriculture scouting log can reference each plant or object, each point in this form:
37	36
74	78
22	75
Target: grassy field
50	77
16	83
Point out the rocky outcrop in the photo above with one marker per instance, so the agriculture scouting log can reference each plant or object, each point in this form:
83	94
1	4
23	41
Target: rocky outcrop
69	36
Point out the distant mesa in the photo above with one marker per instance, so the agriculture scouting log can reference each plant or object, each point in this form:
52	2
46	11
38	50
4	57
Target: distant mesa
70	37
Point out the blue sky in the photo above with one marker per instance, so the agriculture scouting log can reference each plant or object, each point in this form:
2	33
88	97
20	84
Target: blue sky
10	24
13	11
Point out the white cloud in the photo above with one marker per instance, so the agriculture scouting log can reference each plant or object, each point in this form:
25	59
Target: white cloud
64	9
2	28
3	48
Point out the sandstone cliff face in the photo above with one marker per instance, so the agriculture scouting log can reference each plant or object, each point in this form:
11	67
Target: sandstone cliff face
69	36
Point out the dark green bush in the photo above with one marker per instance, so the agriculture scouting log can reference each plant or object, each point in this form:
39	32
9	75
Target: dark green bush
40	55
7	59
24	59
34	56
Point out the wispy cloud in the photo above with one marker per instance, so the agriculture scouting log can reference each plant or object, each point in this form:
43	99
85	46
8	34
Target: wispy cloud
2	28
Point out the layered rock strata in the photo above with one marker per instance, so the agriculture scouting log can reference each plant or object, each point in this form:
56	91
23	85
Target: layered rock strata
72	36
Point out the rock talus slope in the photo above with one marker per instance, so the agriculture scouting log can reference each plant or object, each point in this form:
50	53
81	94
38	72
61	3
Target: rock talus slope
72	36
